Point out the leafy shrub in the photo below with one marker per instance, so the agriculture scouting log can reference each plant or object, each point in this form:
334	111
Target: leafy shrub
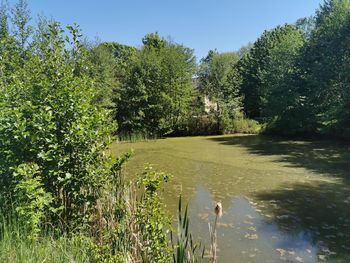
31	198
47	118
241	125
150	216
203	125
209	124
130	222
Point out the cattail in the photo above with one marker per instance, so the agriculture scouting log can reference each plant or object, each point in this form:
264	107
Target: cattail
212	232
218	209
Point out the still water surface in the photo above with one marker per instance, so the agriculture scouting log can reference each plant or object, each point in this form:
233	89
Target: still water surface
284	201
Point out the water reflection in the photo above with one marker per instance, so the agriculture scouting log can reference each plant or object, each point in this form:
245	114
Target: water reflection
244	235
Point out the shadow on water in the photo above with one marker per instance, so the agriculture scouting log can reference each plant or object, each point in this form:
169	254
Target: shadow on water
318	207
326	157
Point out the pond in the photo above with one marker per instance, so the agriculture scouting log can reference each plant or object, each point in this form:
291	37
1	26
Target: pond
283	200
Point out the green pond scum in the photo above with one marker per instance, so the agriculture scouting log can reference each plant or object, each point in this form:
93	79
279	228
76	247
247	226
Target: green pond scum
283	200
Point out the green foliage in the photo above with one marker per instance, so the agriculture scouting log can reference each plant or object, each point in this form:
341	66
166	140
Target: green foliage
153	222
110	62
319	84
296	78
15	247
31	198
264	69
20	19
157	90
325	60
220	82
103	71
278	71
4	27
185	250
205	124
306	25
47	118
239	124
153	41
214	73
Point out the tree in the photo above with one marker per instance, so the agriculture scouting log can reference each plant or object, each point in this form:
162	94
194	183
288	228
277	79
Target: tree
156	92
214	72
4	27
153	40
324	77
219	81
262	70
52	137
248	67
278	71
20	20
306	25
103	70
245	50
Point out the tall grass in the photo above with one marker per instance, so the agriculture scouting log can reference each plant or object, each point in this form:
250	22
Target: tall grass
136	136
185	249
242	125
211	125
15	247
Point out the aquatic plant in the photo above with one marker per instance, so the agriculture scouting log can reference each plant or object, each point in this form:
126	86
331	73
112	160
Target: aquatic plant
213	234
185	250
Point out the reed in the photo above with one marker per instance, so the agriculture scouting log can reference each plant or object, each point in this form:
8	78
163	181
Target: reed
185	249
213	233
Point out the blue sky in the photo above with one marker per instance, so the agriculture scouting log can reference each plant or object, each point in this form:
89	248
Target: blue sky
199	24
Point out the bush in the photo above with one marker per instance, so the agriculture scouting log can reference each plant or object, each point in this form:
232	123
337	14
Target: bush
201	125
31	198
48	121
241	125
213	125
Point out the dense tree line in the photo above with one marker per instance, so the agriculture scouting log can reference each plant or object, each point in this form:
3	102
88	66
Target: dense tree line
293	79
158	89
149	88
296	78
155	95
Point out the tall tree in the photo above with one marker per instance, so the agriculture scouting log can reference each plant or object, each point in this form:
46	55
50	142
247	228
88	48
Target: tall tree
306	25
21	19
104	72
278	71
156	91
324	76
4	27
262	70
153	40
219	82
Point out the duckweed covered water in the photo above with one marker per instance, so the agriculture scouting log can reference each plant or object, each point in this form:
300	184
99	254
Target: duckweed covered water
284	201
